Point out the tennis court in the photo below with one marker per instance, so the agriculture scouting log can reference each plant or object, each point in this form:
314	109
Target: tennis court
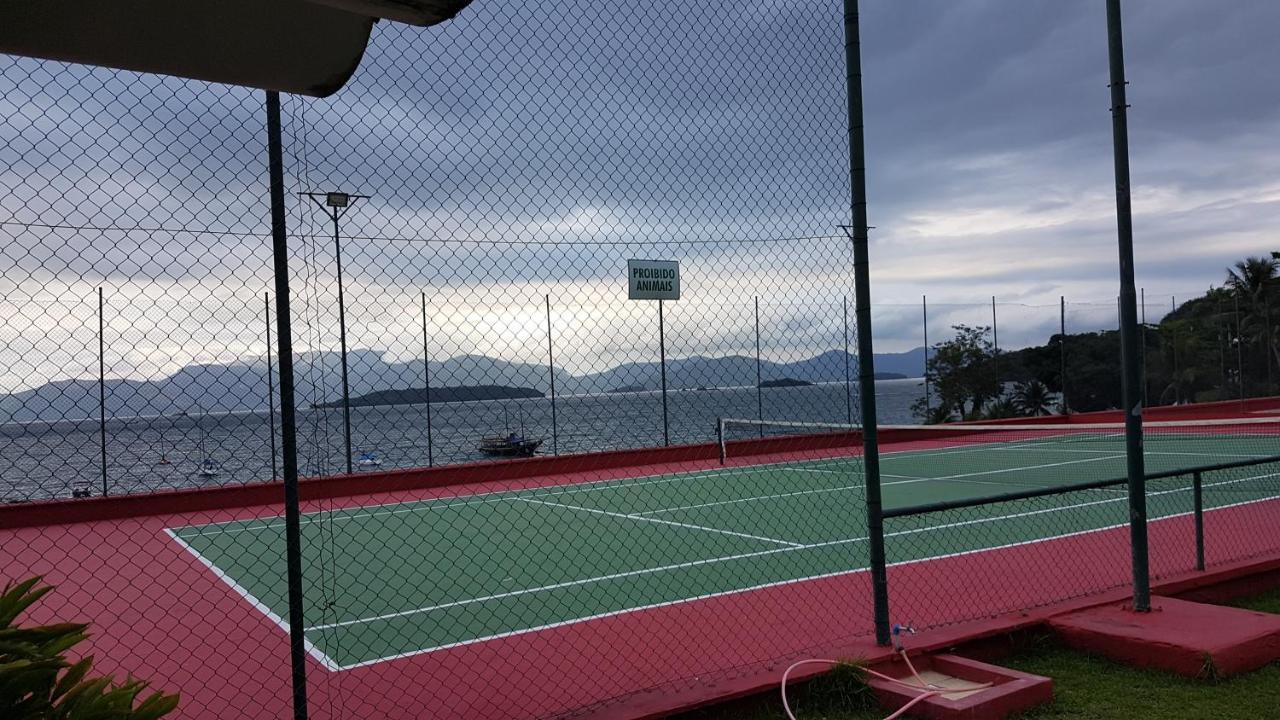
409	578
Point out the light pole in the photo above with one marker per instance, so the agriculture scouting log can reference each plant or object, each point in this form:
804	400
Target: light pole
335	205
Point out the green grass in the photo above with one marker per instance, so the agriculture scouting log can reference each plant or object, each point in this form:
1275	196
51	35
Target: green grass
1085	688
1268	602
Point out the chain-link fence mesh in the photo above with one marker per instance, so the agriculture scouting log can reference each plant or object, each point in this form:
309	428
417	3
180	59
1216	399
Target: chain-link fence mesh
500	172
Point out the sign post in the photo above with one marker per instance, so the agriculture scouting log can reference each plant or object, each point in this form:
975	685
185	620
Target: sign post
656	280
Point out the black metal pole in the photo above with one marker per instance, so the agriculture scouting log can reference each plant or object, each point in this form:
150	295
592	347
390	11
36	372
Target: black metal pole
426	379
1131	377
1266	352
995	345
662	356
1062	351
862	313
1222	354
1173	344
551	374
1142	300
924	312
759	379
102	388
271	389
1239	341
848	380
1197	488
342	338
288	427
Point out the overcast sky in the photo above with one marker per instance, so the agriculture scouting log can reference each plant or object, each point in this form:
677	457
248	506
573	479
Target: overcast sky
590	131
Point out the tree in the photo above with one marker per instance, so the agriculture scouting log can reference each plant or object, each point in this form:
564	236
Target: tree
38	683
1252	277
1032	397
962	373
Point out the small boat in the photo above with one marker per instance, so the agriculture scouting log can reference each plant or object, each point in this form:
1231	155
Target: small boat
513	444
164	460
369	459
510	445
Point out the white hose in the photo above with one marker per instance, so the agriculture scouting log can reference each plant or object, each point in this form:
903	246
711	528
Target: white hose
929	689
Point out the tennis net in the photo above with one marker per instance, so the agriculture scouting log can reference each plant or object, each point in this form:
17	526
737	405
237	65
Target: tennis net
1092	450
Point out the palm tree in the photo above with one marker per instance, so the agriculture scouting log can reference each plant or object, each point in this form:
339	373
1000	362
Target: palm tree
1253	280
1032	398
1252	277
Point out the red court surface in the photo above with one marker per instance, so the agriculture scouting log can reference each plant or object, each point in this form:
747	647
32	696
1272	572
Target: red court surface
160	614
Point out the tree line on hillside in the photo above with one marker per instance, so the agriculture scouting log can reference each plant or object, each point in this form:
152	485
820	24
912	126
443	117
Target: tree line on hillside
1222	345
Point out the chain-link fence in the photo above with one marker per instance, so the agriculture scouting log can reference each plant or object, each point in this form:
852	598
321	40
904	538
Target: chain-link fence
1031	539
460	219
464	300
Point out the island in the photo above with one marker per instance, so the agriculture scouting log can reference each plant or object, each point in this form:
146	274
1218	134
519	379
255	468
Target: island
785	382
629	389
417	396
890	376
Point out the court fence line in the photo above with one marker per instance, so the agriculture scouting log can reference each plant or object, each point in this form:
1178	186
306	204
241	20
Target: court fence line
1177	551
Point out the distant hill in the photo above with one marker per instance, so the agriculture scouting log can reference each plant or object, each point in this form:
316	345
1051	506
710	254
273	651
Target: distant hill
242	386
463	393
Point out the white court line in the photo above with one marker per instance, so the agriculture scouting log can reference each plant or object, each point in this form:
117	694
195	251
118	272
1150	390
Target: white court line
904	480
261	607
761	553
778	583
658	521
777	496
496	496
1145	452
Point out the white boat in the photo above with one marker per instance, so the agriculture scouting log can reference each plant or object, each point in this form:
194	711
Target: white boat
369	459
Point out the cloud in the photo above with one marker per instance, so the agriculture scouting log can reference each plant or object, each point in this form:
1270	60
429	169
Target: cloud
505	143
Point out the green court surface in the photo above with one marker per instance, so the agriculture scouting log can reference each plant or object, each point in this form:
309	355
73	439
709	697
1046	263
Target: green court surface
408	578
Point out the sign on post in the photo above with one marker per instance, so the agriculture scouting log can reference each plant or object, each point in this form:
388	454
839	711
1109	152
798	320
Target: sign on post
653	280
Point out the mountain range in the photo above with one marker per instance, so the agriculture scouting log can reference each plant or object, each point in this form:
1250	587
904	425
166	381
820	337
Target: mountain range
242	387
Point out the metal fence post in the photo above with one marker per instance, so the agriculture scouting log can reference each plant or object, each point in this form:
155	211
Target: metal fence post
995	346
271	390
662	357
1198	493
1142	300
1173	346
1128	316
288	428
862	311
1239	343
426	375
759	379
342	339
848	381
1062	351
102	388
551	374
924	311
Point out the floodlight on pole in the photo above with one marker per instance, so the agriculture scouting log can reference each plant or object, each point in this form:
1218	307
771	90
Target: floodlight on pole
335	205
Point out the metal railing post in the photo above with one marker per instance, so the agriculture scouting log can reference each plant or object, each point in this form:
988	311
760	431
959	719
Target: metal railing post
551	373
862	312
1130	372
1197	489
288	427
